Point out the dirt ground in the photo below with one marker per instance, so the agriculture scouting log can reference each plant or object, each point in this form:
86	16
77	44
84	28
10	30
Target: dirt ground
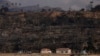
37	54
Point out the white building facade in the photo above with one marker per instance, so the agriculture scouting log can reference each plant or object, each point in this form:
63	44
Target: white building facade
64	51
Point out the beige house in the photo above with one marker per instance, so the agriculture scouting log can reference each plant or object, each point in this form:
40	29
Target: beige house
45	51
63	51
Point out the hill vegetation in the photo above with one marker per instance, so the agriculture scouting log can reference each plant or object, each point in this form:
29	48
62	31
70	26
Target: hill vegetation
33	31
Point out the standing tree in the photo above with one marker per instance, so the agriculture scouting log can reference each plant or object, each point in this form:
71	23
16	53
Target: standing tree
96	8
20	4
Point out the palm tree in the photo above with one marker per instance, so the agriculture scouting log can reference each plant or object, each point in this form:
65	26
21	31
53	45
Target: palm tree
7	4
20	4
12	4
15	4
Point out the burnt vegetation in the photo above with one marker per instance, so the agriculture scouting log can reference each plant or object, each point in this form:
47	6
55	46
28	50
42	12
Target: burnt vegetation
34	31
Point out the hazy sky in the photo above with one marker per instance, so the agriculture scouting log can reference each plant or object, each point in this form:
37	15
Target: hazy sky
65	4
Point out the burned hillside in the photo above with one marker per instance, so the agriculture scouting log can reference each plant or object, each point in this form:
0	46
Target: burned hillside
33	31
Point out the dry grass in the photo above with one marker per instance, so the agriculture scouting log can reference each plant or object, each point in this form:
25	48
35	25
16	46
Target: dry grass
36	54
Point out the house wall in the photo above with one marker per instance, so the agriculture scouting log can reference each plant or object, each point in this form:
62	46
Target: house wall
45	51
63	51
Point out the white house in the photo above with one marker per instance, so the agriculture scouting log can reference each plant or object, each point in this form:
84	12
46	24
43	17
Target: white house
45	51
63	51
